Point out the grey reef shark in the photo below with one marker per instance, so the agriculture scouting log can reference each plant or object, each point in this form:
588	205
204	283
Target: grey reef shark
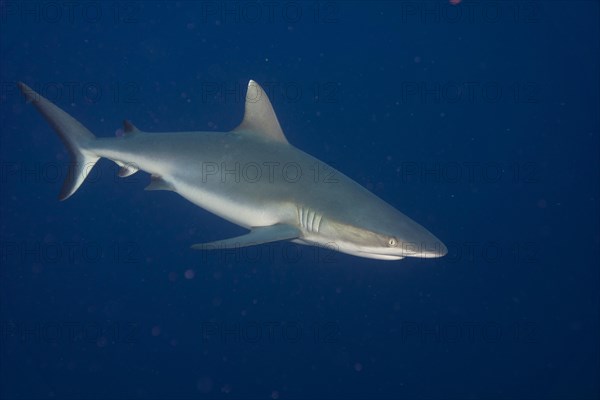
253	177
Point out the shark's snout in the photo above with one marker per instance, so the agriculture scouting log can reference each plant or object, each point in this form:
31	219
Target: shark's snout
432	250
419	242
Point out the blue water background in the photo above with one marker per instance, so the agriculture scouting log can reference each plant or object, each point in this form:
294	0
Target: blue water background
479	120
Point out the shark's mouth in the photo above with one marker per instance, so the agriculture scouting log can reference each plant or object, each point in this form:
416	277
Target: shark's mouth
431	253
379	256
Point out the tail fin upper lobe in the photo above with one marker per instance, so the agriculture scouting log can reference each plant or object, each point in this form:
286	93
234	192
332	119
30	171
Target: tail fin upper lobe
76	137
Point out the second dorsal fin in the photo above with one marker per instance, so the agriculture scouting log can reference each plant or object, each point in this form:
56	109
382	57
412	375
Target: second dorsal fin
129	128
259	116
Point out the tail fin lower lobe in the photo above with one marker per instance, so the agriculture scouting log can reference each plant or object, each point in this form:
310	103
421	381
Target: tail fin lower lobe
76	137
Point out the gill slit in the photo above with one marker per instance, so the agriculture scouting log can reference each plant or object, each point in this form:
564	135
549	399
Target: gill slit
309	219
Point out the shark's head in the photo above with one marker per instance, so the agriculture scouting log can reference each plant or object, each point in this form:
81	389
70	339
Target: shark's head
382	243
379	232
369	243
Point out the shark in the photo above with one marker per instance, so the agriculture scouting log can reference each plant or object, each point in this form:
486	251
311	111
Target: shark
251	176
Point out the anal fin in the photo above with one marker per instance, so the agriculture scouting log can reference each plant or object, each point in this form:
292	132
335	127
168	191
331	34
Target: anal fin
258	235
127	170
158	183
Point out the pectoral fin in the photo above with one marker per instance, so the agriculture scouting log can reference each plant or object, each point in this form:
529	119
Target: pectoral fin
258	235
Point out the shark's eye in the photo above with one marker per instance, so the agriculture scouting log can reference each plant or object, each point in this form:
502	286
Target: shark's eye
392	242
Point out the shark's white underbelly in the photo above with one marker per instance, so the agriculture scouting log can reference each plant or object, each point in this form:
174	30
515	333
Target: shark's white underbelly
236	210
239	210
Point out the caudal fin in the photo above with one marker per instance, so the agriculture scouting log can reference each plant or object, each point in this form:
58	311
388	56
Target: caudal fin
76	137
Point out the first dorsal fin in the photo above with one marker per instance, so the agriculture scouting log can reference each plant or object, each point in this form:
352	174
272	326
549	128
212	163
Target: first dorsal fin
259	117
